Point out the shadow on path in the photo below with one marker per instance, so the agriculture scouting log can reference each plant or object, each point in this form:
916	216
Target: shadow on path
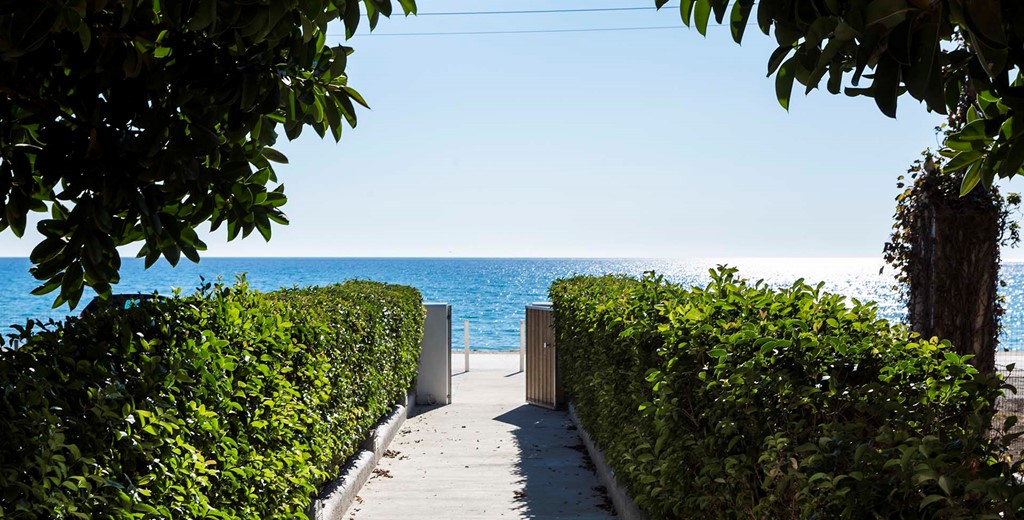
556	474
485	456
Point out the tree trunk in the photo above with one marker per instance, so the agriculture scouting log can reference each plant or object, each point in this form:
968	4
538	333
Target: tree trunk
954	273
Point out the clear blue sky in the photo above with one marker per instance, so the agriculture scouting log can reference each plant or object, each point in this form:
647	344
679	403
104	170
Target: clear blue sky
635	143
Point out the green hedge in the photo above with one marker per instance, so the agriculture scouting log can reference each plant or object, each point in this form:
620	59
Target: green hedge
742	401
226	404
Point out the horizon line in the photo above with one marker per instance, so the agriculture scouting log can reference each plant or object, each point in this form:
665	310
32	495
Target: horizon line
568	257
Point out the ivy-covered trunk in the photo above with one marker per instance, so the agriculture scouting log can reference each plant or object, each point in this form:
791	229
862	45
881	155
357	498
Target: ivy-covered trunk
953	270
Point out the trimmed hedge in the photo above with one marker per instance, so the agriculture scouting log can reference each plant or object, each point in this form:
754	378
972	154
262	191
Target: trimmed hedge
226	404
741	401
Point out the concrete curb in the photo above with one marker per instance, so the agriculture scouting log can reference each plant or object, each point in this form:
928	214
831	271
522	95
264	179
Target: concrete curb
623	502
337	496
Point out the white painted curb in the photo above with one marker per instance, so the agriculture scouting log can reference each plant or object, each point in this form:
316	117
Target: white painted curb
623	502
338	495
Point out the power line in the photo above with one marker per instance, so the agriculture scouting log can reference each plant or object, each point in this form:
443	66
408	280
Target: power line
537	31
547	11
534	31
544	11
528	31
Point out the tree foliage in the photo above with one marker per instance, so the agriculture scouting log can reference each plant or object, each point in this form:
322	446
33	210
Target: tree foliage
959	57
139	120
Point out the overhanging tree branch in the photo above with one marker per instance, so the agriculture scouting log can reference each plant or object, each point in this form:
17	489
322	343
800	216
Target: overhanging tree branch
944	53
137	121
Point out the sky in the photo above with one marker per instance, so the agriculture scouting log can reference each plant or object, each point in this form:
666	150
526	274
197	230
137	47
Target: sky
641	143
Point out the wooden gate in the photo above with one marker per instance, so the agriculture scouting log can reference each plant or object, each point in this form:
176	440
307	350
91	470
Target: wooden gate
542	386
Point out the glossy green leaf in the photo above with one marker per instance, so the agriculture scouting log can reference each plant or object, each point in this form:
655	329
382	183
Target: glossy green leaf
701	16
738	19
274	155
963	160
971	178
777	58
784	82
686	10
886	85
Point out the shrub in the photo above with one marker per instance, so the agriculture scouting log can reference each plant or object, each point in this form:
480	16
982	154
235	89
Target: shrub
226	404
741	401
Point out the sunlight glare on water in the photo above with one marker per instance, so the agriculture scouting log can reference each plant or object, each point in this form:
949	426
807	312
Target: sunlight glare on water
492	292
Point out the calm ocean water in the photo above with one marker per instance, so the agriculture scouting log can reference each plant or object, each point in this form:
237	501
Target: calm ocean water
489	292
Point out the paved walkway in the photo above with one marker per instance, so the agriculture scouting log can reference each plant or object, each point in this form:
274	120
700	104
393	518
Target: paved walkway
486	455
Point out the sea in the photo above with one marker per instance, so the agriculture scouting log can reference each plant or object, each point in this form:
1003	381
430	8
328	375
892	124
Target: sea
489	293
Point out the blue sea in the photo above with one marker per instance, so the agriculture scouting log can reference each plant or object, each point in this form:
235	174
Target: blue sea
491	293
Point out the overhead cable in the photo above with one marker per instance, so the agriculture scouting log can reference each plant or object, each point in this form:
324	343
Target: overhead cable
541	11
527	31
533	31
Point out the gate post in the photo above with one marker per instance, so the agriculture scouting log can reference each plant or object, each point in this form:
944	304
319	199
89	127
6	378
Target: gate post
434	373
543	387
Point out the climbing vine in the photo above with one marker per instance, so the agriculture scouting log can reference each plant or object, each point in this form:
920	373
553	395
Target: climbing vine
945	251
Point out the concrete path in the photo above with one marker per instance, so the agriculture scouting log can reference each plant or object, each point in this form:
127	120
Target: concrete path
486	455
